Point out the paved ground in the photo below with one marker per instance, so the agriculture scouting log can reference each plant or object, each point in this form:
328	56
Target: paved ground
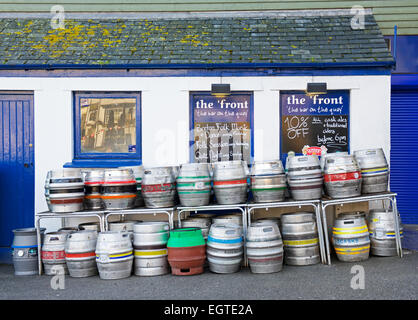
385	278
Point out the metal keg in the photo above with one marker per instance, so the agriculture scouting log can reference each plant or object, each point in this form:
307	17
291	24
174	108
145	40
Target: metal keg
119	189
127	226
268	181
114	255
304	177
138	172
198	222
80	253
264	248
382	233
329	156
159	187
150	248
25	251
53	253
66	190
350	237
273	220
225	248
93	226
67	230
93	181
230	182
228	219
193	184
374	170
342	177
300	238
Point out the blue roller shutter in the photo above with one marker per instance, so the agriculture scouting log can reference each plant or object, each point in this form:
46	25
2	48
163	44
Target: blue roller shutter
403	153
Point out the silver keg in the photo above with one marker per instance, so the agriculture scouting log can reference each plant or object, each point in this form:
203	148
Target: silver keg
268	181
66	190
25	251
342	177
304	177
159	187
53	253
374	170
80	253
194	184
300	238
119	189
114	255
127	226
264	248
93	181
67	230
138	172
228	219
93	226
273	220
350	237
329	156
150	248
230	182
225	248
382	233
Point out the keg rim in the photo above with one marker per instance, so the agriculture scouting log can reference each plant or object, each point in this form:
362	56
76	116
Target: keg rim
28	230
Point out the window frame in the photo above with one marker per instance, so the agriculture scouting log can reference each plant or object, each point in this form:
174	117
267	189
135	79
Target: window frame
94	159
191	119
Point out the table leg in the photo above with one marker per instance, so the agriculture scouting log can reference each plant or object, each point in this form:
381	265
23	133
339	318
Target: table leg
325	230
38	240
397	227
320	234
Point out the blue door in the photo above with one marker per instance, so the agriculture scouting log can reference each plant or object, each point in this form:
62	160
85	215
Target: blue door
403	160
16	167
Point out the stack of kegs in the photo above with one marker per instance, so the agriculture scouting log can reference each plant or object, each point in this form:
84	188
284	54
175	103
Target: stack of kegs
80	253
342	177
350	237
382	233
119	189
194	184
374	170
138	172
225	248
186	251
230	182
268	181
66	190
300	238
150	248
264	247
159	187
114	255
304	177
93	181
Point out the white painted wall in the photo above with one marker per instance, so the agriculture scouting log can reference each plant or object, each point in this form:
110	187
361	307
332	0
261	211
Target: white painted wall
165	115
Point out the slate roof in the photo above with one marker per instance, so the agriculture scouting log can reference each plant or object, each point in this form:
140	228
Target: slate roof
237	40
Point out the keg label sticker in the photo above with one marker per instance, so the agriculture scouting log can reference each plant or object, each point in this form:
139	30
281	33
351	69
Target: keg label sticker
53	255
102	258
199	185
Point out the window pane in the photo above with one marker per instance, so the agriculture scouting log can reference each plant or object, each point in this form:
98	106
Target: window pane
108	125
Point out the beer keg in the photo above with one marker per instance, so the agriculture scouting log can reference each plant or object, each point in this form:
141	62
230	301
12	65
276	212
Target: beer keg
114	255
264	248
25	251
80	253
228	219
304	177
382	233
93	226
268	181
127	226
193	184
53	253
159	187
342	177
225	248
66	190
119	189
150	248
350	237
230	182
138	172
329	156
93	181
374	170
300	238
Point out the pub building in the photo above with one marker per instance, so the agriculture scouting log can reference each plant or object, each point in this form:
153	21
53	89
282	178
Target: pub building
204	87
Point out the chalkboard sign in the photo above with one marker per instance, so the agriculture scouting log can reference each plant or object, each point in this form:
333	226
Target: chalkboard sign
221	127
316	121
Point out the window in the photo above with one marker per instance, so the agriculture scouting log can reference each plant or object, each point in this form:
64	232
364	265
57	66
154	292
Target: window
221	128
107	127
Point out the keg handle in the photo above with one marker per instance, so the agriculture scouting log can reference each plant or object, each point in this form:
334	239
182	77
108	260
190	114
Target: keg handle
269	229
348	221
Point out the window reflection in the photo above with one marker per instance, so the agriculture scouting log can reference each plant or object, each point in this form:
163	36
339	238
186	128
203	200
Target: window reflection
108	125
